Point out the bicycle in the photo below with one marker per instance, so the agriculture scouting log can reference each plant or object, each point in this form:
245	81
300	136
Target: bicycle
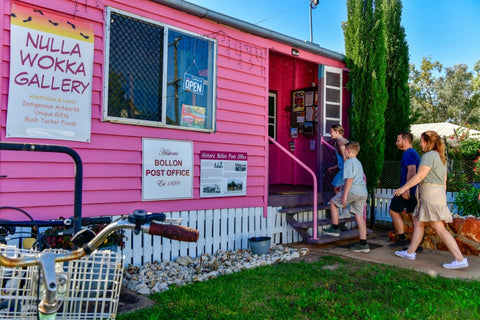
65	280
36	238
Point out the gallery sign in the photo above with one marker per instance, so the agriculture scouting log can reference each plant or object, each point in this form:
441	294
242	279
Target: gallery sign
223	174
51	65
167	169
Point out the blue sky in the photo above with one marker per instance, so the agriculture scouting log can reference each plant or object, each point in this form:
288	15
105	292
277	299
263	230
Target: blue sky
448	31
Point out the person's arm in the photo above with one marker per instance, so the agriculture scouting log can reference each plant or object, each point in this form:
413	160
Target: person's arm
411	170
416	179
346	189
341	148
479	196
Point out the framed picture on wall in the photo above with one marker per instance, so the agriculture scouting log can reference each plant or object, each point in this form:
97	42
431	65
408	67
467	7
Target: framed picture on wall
298	102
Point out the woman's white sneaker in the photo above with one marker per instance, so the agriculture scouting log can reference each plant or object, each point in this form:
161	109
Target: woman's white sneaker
456	265
405	254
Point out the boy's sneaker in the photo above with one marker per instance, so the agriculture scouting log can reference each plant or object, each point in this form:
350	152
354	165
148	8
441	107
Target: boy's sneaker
405	254
456	265
399	243
359	248
332	232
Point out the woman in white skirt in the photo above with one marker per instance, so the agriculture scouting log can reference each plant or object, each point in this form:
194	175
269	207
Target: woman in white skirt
432	200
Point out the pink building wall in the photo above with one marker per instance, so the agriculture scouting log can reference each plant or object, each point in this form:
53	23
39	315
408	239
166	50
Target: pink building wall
42	183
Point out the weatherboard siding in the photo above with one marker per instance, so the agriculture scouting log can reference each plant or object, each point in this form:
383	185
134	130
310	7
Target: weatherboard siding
43	184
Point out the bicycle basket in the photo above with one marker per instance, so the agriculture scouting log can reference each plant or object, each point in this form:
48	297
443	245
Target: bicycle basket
91	290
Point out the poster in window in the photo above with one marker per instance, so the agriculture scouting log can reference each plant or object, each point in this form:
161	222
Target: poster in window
298	100
193	116
309	97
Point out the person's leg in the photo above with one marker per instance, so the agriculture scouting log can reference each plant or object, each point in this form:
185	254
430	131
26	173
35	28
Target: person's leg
334	210
362	227
448	239
397	222
335	202
418	231
417	237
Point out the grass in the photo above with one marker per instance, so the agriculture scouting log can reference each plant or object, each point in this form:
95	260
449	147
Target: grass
332	288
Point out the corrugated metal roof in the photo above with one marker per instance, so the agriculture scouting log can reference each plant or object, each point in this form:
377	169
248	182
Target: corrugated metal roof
443	129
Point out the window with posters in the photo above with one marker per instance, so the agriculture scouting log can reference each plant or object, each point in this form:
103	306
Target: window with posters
158	75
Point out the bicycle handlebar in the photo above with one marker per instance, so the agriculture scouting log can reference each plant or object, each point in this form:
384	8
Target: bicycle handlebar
138	221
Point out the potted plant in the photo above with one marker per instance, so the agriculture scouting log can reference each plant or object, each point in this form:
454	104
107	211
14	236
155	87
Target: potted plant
59	238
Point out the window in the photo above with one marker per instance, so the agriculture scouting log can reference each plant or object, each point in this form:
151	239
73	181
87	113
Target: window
158	75
332	112
272	115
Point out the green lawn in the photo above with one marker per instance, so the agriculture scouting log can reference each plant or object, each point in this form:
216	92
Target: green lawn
332	288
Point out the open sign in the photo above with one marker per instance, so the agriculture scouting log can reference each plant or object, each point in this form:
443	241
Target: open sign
193	84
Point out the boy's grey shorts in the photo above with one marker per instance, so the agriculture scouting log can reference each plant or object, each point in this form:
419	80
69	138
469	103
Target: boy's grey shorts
357	203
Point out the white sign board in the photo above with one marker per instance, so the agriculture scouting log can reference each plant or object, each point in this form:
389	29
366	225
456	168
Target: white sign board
167	169
51	65
223	174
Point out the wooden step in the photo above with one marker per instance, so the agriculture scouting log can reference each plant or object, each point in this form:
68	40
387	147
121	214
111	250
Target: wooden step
344	235
322	222
299	209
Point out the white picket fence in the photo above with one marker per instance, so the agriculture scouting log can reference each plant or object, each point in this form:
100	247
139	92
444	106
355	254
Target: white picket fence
221	229
230	229
384	196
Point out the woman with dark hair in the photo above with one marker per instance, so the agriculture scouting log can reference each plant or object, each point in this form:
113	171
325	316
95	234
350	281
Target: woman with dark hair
432	200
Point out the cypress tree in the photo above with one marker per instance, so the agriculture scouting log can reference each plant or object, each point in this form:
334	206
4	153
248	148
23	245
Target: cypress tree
365	58
397	114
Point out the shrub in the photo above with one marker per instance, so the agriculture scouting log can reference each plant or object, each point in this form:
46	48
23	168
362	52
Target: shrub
467	202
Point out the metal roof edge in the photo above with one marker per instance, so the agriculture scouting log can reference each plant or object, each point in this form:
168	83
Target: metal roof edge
202	12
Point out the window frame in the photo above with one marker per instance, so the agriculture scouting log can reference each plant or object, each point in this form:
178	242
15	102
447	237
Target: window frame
212	111
272	95
326	131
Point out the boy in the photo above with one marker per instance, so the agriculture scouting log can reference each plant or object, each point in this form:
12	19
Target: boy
354	193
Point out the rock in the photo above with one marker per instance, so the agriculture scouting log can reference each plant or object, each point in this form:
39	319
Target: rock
160	275
184	260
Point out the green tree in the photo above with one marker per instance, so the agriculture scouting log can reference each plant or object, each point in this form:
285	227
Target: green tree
452	95
455	93
365	58
423	92
397	114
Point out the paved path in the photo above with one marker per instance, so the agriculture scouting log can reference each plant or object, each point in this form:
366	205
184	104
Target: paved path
430	261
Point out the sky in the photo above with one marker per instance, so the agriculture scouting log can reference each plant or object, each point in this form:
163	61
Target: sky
448	31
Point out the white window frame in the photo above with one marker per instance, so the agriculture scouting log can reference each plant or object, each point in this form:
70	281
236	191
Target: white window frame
162	123
326	131
274	116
